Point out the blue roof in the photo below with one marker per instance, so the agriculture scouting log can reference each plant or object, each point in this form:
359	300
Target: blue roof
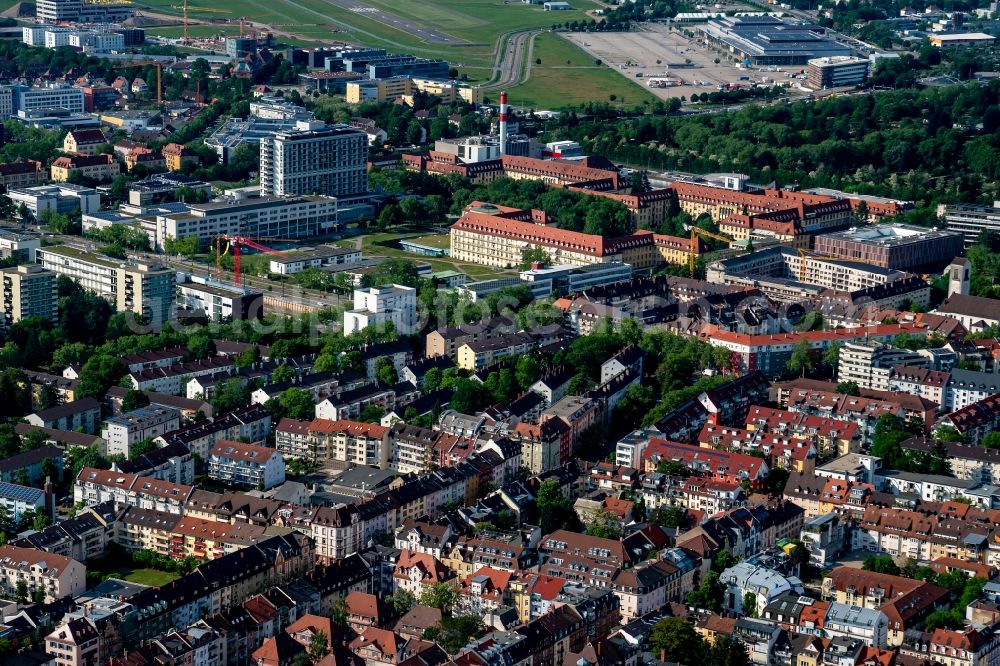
15	492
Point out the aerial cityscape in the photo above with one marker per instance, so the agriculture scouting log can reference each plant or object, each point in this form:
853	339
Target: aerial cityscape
499	333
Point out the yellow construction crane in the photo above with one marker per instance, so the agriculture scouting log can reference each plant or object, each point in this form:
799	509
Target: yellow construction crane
185	9
693	251
805	254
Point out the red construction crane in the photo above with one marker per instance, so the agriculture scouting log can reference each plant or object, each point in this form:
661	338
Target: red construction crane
235	242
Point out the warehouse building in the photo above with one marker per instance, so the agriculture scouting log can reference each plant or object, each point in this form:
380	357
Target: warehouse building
766	40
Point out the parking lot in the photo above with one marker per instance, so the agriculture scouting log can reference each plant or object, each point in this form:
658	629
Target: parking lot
656	52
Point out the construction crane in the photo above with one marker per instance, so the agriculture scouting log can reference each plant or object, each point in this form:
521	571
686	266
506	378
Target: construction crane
693	251
185	9
235	241
159	75
809	255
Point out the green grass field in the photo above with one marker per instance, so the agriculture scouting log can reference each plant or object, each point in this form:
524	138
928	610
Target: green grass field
437	240
381	244
569	75
151	577
479	23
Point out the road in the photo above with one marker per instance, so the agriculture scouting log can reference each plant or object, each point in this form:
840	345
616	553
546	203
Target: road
510	60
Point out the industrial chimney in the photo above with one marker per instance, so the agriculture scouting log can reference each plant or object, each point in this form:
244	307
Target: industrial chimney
503	123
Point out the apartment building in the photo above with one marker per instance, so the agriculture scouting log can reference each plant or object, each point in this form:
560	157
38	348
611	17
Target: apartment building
314	159
22	174
262	216
121	432
83	414
251	423
378	306
142	288
76	643
246	464
52	576
28	291
477	355
346	441
177	155
869	364
966	387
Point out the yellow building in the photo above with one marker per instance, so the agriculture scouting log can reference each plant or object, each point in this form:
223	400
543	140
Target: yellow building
84	141
380	90
98	167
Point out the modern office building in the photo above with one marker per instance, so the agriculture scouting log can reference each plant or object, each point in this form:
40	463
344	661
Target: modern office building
220	302
971	220
377	306
897	246
61	198
314	158
261	216
20	246
48	96
570	278
28	291
145	289
836	71
82	11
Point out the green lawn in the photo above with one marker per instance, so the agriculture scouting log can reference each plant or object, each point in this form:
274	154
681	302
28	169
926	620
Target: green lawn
479	23
380	244
437	240
151	577
569	75
99	570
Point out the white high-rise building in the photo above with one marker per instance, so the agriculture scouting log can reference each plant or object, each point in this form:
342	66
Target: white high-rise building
378	305
314	158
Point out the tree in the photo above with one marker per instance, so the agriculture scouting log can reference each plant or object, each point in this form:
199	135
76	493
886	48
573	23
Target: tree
402	601
21	590
40	521
670	516
527	371
990	441
750	604
831	357
100	373
949	434
440	595
709	593
728	650
319	646
880	564
133	400
385	371
554	509
340	611
801	359
723	560
231	394
848	388
432	381
141	447
531	255
674	640
604	525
